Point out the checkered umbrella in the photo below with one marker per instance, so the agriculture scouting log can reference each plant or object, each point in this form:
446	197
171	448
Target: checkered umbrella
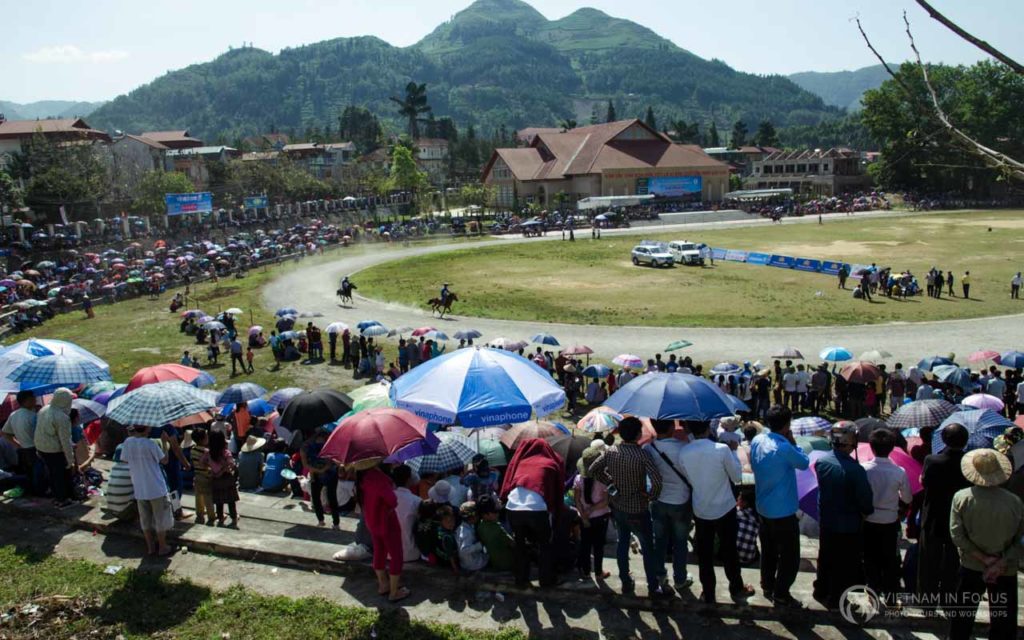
64	369
241	392
920	414
154	405
983	426
454	452
810	425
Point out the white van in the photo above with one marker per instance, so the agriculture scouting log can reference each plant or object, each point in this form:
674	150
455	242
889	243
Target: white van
685	252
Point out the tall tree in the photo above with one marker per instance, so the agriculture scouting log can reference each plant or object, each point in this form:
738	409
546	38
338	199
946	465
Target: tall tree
593	114
568	124
685	133
359	126
610	114
69	175
413	106
405	175
649	119
10	194
766	135
155	185
738	138
713	139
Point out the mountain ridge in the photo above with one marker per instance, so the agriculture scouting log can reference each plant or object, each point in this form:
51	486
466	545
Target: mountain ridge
48	109
496	63
841	88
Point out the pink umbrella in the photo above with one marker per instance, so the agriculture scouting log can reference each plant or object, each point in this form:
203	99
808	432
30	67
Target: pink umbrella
422	331
629	361
983	401
901	458
577	350
981	356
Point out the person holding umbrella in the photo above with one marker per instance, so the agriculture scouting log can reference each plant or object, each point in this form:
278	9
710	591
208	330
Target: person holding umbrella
322	474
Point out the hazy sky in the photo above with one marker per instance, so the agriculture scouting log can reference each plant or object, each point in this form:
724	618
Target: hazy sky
95	50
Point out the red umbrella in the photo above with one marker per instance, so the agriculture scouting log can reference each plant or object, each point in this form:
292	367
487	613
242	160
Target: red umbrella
862	372
982	356
162	373
373	435
901	458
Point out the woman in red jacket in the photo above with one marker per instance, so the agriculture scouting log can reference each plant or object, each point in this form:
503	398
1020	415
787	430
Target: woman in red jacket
378	501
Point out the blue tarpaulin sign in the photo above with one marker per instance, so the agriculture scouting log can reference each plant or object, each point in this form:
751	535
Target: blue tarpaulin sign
735	255
831	267
257	202
757	258
674	185
179	203
808	264
783	262
717	254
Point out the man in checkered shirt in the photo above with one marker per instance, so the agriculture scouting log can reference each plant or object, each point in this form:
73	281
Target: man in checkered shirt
626	469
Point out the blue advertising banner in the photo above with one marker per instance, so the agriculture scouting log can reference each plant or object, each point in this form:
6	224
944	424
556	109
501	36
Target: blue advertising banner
808	264
757	258
735	255
257	202
179	203
830	267
717	254
783	262
674	185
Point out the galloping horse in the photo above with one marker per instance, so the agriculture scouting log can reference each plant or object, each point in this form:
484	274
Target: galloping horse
444	307
345	295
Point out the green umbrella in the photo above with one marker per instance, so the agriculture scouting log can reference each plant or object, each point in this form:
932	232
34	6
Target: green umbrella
373	396
678	344
813	443
493	451
134	280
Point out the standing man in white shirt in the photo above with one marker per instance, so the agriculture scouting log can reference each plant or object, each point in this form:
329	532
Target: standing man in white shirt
407	509
672	512
1015	287
890	489
156	517
789	380
712	470
803	380
20	430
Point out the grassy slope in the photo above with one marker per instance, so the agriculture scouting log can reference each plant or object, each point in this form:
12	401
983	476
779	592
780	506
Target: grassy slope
587	282
135	604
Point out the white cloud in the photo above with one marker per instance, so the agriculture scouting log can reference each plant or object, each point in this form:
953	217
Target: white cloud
69	53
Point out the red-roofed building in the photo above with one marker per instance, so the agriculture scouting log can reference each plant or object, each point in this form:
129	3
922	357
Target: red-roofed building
174	139
15	133
614	159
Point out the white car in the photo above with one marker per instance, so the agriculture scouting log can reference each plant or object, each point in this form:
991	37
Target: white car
654	256
685	252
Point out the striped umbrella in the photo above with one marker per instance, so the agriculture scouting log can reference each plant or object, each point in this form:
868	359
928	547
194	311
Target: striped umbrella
810	426
599	420
59	370
240	392
154	405
454	452
920	414
983	425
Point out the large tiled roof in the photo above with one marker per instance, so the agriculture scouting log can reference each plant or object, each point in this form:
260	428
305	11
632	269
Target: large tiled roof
23	128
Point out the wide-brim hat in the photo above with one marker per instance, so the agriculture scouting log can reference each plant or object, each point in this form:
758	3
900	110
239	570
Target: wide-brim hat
986	467
253	443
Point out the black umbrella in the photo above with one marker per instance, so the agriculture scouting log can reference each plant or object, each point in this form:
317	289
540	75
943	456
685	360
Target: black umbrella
570	448
865	426
311	410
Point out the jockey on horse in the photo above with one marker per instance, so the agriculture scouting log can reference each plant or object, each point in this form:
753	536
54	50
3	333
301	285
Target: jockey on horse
444	294
346	289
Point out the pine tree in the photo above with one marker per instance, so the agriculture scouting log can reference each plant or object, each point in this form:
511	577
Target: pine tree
649	119
610	115
766	135
739	134
713	140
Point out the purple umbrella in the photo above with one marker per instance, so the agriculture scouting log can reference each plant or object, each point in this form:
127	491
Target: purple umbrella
807	486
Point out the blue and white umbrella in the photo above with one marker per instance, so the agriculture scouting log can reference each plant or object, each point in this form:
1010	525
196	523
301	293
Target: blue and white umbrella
258	407
545	338
931	362
281	397
467	334
835	354
478	387
454	452
810	425
983	425
596	371
671	396
214	325
154	405
63	370
241	392
374	330
436	335
366	323
286	311
17	354
88	410
1012	359
726	369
